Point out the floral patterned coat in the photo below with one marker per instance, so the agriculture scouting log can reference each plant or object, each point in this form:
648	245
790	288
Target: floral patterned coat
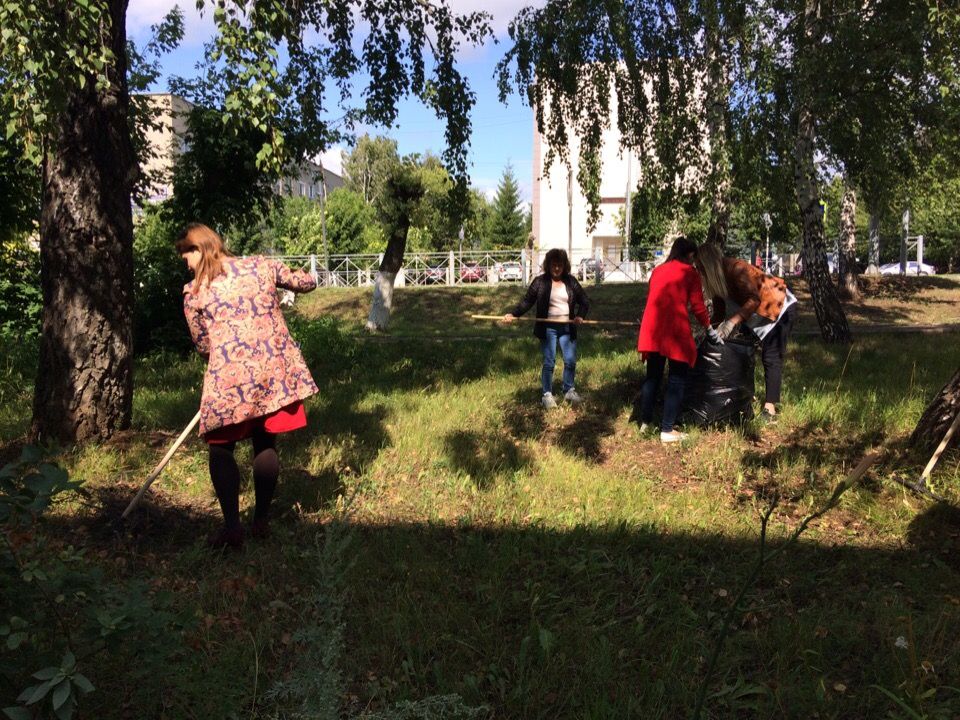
254	367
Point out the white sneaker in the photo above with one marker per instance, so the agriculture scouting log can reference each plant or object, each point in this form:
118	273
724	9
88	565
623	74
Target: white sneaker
672	436
548	401
645	428
572	397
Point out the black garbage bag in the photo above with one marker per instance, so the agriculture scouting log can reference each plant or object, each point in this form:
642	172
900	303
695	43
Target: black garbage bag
720	386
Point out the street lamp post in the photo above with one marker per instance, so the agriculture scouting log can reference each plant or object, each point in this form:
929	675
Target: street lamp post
767	223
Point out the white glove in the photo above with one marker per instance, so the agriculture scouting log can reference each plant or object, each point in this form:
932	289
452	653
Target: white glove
726	329
714	337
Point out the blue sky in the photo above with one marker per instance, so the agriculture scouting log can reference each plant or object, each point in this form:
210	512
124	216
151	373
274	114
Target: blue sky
502	134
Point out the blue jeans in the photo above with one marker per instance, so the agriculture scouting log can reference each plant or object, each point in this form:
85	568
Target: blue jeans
568	347
672	398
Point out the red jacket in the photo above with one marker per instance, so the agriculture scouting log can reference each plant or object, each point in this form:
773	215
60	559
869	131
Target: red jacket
665	327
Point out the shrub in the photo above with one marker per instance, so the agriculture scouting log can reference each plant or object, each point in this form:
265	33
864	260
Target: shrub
21	299
158	278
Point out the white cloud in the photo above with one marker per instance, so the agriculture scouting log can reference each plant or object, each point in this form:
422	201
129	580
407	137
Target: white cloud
332	160
503	11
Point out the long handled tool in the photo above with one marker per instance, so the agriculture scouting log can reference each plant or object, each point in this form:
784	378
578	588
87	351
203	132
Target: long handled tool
160	466
562	322
936	455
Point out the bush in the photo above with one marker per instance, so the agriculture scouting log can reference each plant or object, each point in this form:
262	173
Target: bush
21	298
60	613
158	279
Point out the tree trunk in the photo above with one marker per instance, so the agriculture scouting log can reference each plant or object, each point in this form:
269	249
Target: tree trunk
847	255
826	303
938	416
389	267
84	382
873	245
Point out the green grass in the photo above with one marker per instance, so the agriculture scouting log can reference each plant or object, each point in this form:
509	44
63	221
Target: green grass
541	565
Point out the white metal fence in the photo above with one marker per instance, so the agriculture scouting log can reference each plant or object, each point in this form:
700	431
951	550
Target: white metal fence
463	268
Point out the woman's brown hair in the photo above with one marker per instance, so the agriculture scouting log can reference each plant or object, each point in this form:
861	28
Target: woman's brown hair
710	264
556	255
212	251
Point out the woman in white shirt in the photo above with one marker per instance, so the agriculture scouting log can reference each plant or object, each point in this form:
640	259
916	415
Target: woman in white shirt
557	296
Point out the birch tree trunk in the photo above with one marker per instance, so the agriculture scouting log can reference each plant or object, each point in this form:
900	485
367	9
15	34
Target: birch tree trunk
847	255
938	416
823	293
402	192
873	245
84	386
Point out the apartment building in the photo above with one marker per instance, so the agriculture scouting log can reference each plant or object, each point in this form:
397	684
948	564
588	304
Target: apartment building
169	140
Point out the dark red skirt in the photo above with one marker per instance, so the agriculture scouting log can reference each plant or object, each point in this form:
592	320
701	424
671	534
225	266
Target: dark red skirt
290	417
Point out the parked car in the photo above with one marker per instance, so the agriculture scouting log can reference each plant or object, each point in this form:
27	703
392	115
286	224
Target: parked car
472	272
510	271
912	269
434	275
590	269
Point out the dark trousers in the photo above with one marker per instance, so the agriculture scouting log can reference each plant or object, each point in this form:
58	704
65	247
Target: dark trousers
773	350
672	398
225	476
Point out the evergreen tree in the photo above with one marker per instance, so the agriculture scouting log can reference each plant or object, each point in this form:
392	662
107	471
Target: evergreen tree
507	224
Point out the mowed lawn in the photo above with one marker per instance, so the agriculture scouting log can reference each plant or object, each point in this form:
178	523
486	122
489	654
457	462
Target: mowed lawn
438	534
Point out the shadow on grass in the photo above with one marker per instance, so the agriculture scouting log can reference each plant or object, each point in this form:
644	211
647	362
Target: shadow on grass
615	622
484	457
935	533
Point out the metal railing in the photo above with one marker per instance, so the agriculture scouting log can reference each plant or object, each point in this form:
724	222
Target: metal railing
464	268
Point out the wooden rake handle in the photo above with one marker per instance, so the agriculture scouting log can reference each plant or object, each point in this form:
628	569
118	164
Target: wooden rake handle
560	322
161	465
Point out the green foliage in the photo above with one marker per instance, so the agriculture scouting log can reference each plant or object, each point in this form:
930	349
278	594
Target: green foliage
66	612
351	224
367	166
159	276
19	191
48	53
656	216
21	299
313	689
507	222
217	180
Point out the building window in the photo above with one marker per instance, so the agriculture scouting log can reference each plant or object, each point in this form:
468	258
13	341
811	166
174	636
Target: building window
302	191
311	192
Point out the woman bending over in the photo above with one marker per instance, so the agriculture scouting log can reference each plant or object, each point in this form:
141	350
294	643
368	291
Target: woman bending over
256	378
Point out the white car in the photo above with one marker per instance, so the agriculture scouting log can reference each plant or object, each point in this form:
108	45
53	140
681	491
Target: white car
912	269
510	271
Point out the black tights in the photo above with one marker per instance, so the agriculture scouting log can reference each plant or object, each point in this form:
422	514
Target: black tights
225	476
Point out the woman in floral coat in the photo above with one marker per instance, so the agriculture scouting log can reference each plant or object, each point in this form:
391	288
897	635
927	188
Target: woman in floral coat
256	378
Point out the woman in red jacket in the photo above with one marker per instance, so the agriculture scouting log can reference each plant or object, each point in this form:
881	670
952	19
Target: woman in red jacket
665	334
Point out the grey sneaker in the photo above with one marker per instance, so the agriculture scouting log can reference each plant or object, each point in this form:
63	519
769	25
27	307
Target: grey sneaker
572	397
548	401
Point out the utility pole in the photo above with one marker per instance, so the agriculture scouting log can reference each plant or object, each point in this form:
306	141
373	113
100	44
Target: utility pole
767	223
570	214
904	233
627	211
323	218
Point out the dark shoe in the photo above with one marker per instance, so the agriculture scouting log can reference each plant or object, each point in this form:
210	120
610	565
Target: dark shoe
225	538
260	529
